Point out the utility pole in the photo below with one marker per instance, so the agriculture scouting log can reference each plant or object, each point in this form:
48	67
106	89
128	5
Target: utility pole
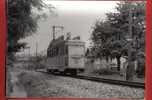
29	51
130	67
36	49
54	30
24	52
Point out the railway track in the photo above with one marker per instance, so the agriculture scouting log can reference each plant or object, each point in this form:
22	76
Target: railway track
111	81
104	80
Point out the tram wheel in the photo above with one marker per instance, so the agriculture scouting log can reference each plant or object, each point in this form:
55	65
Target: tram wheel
62	72
73	72
49	70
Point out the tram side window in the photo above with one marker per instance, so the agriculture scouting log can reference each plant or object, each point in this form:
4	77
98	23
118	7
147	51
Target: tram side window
66	50
58	51
49	52
54	52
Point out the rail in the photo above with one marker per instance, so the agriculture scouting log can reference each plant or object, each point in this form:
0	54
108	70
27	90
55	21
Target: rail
104	80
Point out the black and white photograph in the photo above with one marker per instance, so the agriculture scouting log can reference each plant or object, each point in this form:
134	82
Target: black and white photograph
75	49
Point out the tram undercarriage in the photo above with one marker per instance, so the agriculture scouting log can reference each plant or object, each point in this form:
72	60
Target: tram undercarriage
67	71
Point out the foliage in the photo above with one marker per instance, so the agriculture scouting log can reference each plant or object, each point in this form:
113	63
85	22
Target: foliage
104	71
22	21
109	37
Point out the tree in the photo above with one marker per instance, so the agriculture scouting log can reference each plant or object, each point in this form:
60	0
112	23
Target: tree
101	35
110	36
22	22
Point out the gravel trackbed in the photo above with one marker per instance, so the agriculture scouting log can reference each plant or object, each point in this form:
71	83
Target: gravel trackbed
44	85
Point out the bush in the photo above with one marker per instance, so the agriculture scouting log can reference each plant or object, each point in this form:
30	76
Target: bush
140	67
105	71
34	83
33	65
9	85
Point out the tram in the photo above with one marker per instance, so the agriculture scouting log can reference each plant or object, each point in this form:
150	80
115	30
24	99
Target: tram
66	56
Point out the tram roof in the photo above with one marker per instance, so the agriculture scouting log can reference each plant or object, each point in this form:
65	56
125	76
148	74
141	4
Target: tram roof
61	41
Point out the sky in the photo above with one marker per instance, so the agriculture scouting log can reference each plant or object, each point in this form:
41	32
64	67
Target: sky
77	17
